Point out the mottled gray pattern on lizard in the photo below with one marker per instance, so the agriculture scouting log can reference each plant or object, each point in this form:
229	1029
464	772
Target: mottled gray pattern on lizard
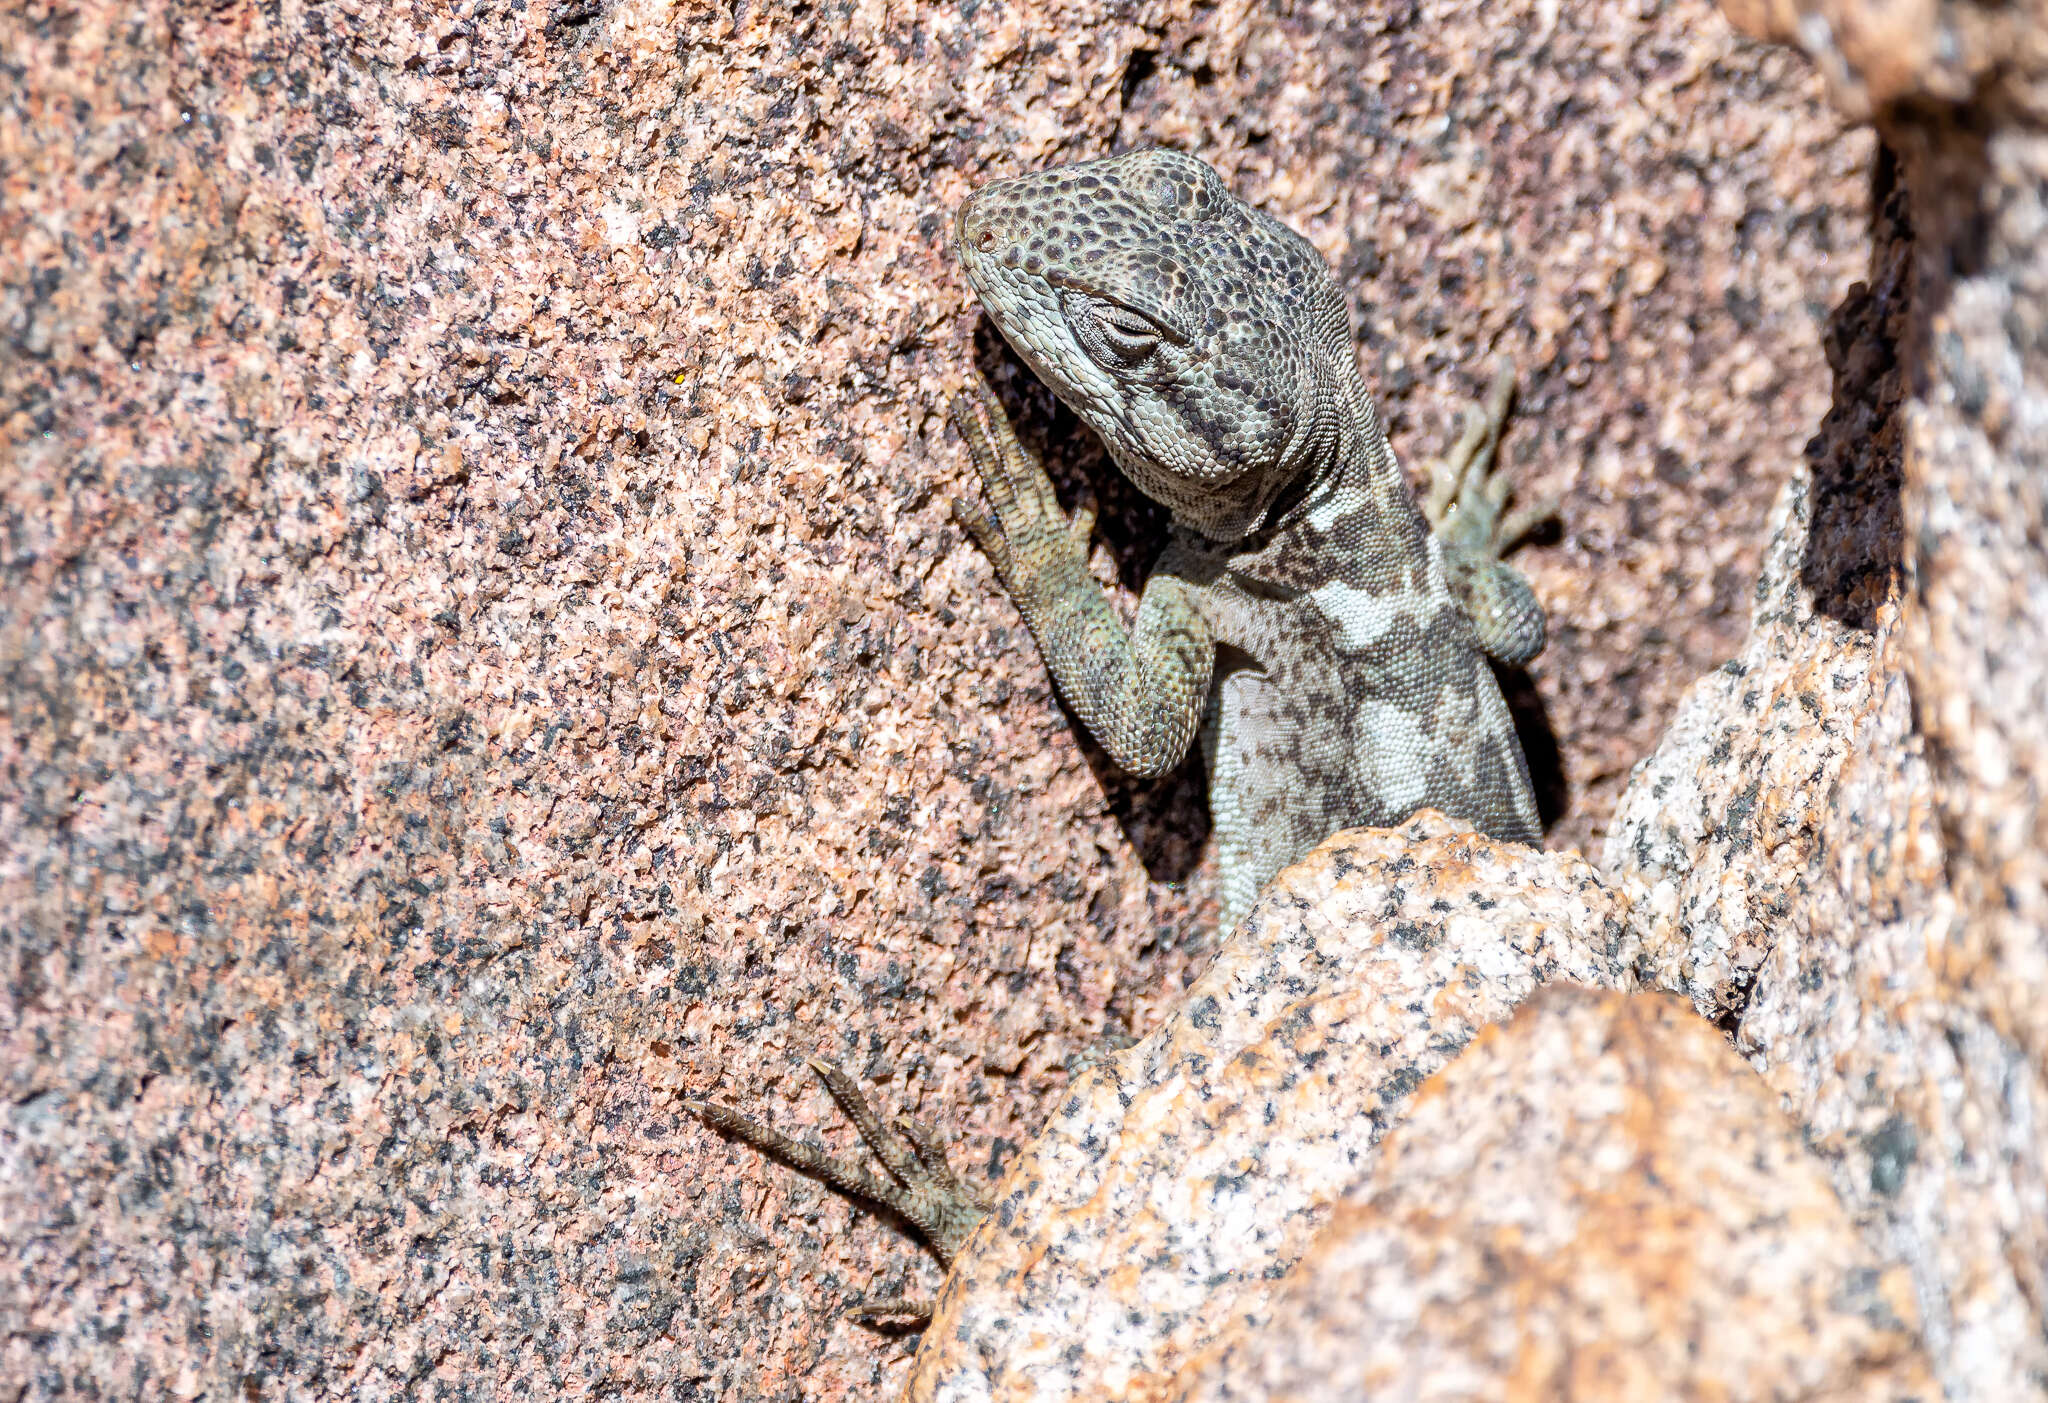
1302	608
1334	646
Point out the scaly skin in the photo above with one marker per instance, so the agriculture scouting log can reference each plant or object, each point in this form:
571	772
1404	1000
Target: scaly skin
1465	505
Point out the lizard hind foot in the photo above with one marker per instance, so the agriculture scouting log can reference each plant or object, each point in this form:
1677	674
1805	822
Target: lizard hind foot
922	1187
1466	508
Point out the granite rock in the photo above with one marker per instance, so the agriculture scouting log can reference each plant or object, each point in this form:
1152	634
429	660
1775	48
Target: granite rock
1858	897
483	655
1595	1201
1719	828
1882	56
1179	1178
1958	92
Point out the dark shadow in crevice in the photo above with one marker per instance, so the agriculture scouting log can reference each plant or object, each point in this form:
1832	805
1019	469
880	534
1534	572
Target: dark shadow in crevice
1165	820
1856	537
1729	1019
1539	743
1943	150
1138	70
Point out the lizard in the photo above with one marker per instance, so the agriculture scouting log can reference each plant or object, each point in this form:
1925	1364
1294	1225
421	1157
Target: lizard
1326	637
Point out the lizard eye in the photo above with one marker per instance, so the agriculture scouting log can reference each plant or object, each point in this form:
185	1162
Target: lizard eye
1115	336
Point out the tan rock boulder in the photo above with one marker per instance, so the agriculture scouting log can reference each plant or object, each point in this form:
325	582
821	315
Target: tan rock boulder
1841	848
1596	1201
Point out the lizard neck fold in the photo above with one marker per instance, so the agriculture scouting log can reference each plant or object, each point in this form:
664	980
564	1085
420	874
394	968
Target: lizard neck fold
1351	487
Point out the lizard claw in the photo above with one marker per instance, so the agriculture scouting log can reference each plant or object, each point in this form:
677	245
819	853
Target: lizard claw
983	527
1082	527
922	1188
1022	531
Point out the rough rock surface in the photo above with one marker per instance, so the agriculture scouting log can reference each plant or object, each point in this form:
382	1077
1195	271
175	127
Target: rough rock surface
1715	837
1798	897
1859	895
1596	1201
1180	1177
482	651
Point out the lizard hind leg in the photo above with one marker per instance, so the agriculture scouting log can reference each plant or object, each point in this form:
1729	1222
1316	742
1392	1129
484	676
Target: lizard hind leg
1466	508
922	1187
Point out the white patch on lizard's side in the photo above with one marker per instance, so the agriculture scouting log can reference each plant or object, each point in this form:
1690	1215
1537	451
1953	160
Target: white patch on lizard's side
1395	754
1330	510
1360	617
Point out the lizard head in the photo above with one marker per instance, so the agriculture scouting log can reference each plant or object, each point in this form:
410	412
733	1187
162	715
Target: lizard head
1204	341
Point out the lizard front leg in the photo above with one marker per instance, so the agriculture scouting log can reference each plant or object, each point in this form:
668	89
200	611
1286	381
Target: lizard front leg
1465	506
1139	691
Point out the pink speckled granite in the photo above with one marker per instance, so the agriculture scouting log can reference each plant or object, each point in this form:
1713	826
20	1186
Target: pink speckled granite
1841	849
483	653
1788	877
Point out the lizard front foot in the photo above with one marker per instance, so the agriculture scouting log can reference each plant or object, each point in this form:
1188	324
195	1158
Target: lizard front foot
1033	547
1466	508
941	1205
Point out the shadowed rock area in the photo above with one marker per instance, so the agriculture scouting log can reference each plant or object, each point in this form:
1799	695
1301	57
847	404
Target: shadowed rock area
1860	894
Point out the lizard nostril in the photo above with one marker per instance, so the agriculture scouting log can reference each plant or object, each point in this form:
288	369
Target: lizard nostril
988	239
